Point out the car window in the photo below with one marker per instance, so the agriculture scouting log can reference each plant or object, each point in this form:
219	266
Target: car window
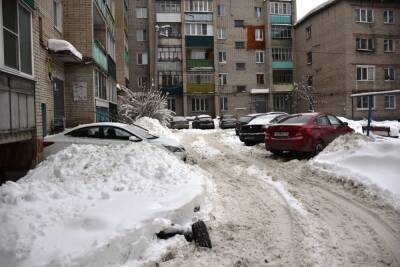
115	133
300	119
323	121
205	118
89	132
334	120
278	118
140	132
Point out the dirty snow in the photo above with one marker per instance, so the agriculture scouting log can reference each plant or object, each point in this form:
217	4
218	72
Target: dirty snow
57	45
98	206
205	150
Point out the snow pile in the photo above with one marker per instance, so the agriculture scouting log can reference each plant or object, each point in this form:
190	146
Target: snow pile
373	162
58	45
204	149
155	127
357	125
97	206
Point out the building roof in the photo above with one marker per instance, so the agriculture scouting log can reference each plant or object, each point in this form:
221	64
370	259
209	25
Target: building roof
316	10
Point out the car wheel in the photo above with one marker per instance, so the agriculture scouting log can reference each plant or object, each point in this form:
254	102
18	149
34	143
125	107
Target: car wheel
319	146
249	143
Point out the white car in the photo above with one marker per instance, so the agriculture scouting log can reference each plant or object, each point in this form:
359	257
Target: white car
107	133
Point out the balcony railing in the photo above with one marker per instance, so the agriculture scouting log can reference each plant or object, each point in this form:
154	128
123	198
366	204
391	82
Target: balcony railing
199	41
200	64
200	88
283	87
100	56
282	64
281	19
172	89
30	3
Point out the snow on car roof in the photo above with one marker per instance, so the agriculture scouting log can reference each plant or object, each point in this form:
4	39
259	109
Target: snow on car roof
179	118
204	116
264	119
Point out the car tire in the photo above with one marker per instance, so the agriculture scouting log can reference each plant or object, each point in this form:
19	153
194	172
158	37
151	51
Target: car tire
319	146
250	143
200	234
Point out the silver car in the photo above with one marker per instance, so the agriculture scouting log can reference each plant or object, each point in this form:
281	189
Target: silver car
107	133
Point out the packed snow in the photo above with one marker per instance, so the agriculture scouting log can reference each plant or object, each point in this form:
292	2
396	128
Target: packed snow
205	150
98	206
357	125
57	45
371	161
155	127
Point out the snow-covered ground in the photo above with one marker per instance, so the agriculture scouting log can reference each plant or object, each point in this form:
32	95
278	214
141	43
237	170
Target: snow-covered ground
98	206
357	125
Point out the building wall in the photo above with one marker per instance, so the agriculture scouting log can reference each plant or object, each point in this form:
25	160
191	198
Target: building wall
120	42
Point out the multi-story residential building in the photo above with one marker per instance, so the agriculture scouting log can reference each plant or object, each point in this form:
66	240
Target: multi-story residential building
214	56
121	42
344	48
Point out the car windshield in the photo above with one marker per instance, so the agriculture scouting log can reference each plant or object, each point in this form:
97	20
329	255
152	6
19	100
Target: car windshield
245	118
299	119
140	132
205	118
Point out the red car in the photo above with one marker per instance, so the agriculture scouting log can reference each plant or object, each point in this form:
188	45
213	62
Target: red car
305	132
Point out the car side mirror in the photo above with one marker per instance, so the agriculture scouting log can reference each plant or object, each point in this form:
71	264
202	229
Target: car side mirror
134	139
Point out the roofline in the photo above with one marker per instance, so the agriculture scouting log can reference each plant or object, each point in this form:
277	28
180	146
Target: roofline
316	10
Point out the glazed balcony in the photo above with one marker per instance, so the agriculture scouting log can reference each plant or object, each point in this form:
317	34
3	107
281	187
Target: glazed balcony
282	64
204	88
281	19
100	56
199	64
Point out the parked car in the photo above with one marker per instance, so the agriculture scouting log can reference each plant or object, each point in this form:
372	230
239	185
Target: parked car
244	120
254	131
306	132
227	121
107	133
203	122
179	123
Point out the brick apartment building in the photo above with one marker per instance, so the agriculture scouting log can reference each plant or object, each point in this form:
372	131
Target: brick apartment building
345	48
214	56
57	69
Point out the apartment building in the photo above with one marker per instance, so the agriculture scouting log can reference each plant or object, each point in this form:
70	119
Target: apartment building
57	70
350	50
214	56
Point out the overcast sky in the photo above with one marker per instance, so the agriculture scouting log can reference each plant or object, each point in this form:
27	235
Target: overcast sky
303	6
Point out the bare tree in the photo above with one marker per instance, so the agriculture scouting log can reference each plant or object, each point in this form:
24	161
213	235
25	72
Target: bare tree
305	94
148	103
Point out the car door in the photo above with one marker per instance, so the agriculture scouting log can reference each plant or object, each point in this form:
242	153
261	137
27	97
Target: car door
325	130
86	135
337	126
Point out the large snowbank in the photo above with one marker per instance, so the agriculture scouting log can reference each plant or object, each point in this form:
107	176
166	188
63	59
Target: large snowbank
97	206
155	127
357	125
373	162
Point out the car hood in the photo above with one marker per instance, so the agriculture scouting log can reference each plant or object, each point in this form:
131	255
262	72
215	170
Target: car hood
165	141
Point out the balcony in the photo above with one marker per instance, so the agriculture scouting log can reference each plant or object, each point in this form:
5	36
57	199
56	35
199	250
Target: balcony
281	19
100	56
168	17
281	43
282	64
283	87
30	3
204	88
199	64
172	89
199	41
105	11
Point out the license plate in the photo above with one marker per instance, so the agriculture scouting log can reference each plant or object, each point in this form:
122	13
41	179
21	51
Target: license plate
281	134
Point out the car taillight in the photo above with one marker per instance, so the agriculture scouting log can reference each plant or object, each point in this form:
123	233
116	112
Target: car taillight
46	143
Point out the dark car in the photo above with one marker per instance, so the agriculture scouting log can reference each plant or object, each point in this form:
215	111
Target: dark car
227	121
254	131
305	132
244	120
203	122
179	123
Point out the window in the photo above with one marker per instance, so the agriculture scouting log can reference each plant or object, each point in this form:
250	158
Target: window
363	102
172	53
110	45
282	54
58	14
388	45
141	35
201	29
280	102
222	78
198	5
171	102
16	33
388	17
168	6
200	104
100	85
308	33
220	10
239	45
258	12
365	73
221	33
389	74
390	102
310	80
201	78
89	132
364	15
142	58
280	8
259	56
333	120
365	44
241	88
169	78
223	102
259	34
282	76
142	82
260	78
115	133
222	57
141	13
323	121
239	23
281	32
309	58
240	66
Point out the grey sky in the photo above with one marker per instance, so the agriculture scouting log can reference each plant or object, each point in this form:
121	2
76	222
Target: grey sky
303	6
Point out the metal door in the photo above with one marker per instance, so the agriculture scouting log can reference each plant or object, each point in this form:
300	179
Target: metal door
58	86
260	103
44	118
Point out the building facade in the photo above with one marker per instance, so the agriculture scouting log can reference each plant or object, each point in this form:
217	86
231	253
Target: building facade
345	48
214	56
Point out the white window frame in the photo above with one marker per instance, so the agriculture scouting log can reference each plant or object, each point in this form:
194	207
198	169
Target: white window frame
224	103
394	102
222	55
362	107
368	79
220	10
8	69
144	58
394	74
258	11
201	104
260	56
359	17
198	6
141	12
281	8
259	35
140	81
221	33
360	42
386	45
171	103
196	29
59	12
222	78
388	12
